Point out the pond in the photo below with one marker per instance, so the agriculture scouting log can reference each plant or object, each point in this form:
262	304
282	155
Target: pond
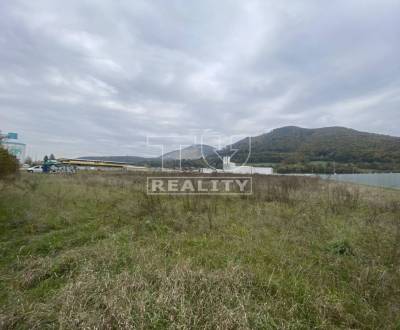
387	180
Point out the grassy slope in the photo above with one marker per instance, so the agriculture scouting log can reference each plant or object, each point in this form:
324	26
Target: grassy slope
94	251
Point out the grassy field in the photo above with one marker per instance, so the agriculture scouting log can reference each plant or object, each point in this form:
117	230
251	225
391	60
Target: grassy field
94	251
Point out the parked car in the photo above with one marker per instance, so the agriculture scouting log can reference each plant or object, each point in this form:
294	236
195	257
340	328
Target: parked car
35	169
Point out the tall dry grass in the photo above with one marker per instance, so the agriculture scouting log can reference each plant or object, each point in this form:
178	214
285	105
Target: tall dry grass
94	251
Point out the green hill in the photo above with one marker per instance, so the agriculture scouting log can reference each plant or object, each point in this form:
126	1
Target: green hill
296	145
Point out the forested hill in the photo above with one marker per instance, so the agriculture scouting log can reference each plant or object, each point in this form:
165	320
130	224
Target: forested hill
295	144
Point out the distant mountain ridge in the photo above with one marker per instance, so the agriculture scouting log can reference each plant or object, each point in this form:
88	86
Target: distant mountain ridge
192	152
294	145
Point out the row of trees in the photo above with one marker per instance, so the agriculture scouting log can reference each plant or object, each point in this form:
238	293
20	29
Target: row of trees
47	158
29	161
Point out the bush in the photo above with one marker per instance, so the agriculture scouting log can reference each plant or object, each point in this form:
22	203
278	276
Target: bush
8	164
340	247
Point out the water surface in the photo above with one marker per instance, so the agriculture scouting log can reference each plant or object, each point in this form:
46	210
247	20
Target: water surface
387	180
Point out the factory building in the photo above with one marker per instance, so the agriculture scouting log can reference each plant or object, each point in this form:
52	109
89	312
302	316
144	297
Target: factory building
13	145
229	167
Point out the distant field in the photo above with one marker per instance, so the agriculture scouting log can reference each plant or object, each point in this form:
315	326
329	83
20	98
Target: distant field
94	251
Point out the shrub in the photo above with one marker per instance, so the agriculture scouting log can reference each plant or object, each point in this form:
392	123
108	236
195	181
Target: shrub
340	247
342	197
8	164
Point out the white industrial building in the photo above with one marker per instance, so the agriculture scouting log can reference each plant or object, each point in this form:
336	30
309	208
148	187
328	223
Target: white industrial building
229	167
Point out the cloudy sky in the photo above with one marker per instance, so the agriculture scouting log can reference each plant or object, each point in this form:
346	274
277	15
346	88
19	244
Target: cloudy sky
98	77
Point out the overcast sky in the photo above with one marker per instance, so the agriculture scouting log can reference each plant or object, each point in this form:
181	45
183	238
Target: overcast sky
96	77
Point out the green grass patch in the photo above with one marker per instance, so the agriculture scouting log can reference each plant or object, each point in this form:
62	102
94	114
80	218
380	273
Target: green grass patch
94	251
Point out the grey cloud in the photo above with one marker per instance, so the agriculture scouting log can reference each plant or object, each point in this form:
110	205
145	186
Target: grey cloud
97	77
